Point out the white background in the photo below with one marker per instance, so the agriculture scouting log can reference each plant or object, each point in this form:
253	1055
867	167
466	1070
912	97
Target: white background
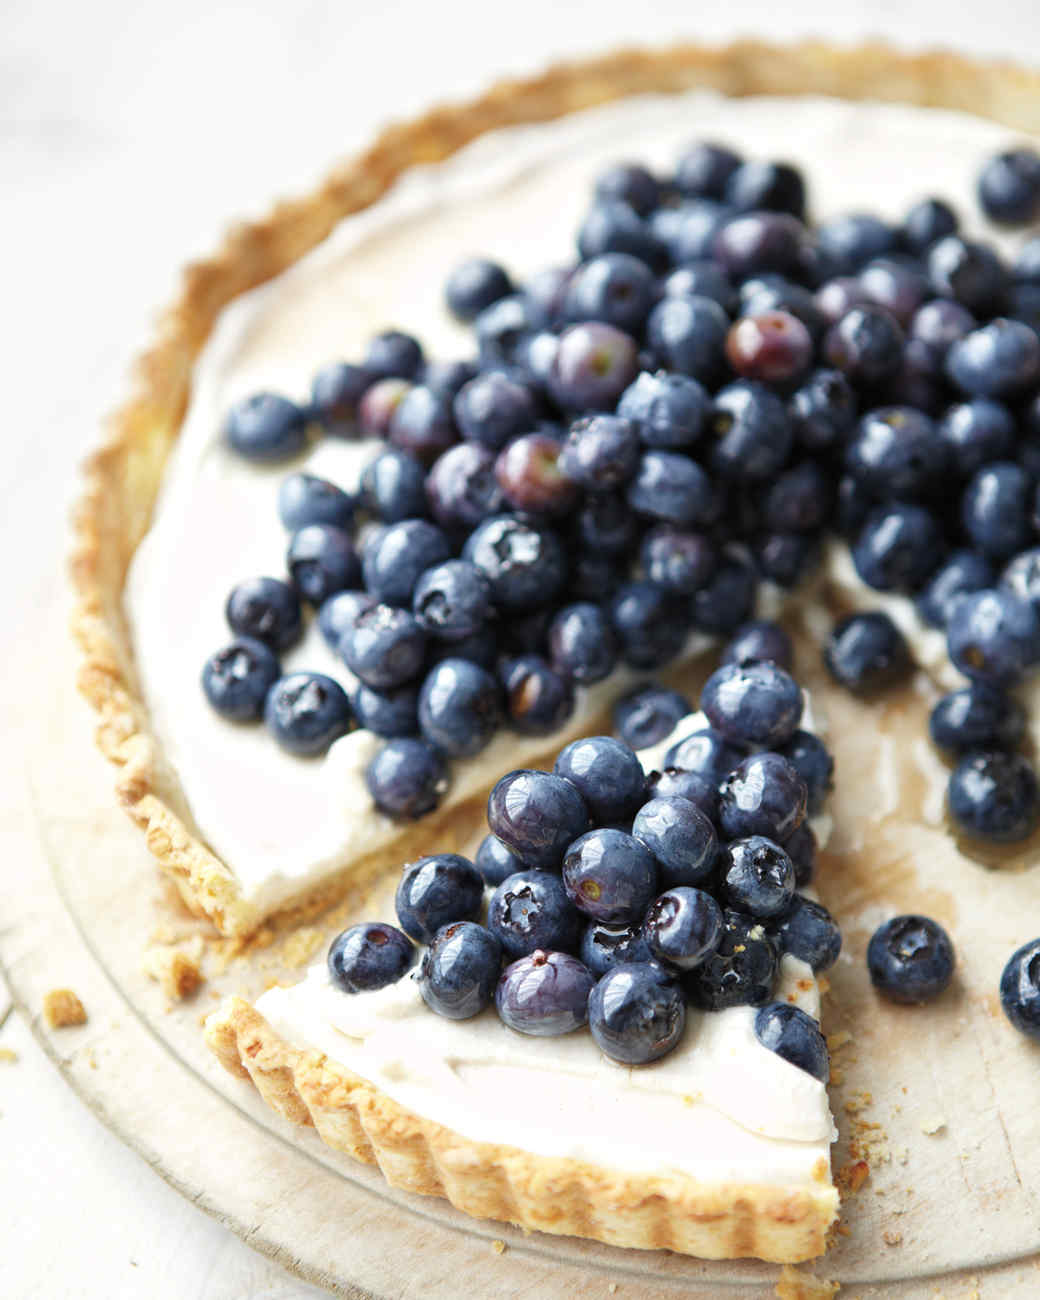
130	133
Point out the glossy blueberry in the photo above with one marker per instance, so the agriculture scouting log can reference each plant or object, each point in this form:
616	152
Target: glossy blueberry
452	600
461	487
1000	360
435	891
688	334
502	328
786	558
836	297
459	970
386	713
799	500
538	699
393	486
307	499
336	393
607	774
670	487
758	877
763	795
530	476
474	285
604	526
759	641
1009	187
1020	989
851	241
614	226
741	971
632	183
377	406
446	378
321	561
397	555
995	509
897	453
615	287
524	562
493	408
610	876
774	186
867	652
706	753
605	946
866	345
647	624
266	428
976	717
339	613
647	715
994	796
537	815
964	572
600	452
694	787
934	329
772	292
898	548
384	647
727	600
977	432
543	292
407	778
752	430
969	273
581	643
636	1014
926	223
422	423
267	610
801	849
544	994
811	759
460	707
899	287
306	712
703	170
822	410
993	636
531	910
759	242
369	956
689	231
236	680
496	861
393	355
910	959
680	562
702	278
753	703
795	1037
772	346
681	838
807	931
1022	577
683	926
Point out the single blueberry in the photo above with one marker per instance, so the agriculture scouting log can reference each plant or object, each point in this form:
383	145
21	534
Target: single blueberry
704	168
910	959
993	636
963	573
460	707
601	452
474	285
763	795
524	562
636	1015
369	956
422	423
493	408
436	890
376	409
695	788
1000	360
969	273
897	453
461	487
758	877
822	410
682	927
459	970
1009	187
386	713
306	712
531	477
537	815
809	932
795	1037
753	703
266	428
867	652
648	714
266	610
935	327
236	680
539	700
753	432
899	286
755	242
726	601
1020	989
741	971
759	641
688	335
395	556
445	378
604	526
321	561
593	365
502	328
689	231
336	392
648	625
976	717
452	600
668	410
799	500
393	355
680	562
811	759
615	287
773	186
495	861
605	946
995	509
670	487
614	226
852	240
393	486
307	499
407	778
339	613
706	752
866	345
545	994
530	910
702	278
581	643
772	346
994	796
385	647
610	876
899	547
631	183
926	223
608	776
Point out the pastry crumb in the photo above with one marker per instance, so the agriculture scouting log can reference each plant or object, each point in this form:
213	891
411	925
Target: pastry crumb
176	970
933	1126
803	1286
857	1102
892	1238
62	1009
851	1177
839	1039
498	1246
8	1055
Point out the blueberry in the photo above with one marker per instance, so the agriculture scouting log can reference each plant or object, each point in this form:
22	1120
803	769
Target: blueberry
837	296
422	423
969	273
806	930
681	838
757	242
801	849
495	860
910	959
898	548
636	1014
446	378
866	345
397	555
680	562
436	890
369	956
545	994
236	679
385	647
613	226
610	876
934	329
376	409
321	560
306	499
606	946
339	613
867	652
1002	359
593	366
407	778
851	241
964	572
459	970
740	972
393	355
1009	187
994	796
926	223
759	641
537	815
689	231
772	346
689	335
336	392
810	758
995	509
823	410
530	475
682	927
461	487
763	795
993	636
459	707
531	910
474	285
795	1037
631	183
977	432
706	752
604	526
615	287
647	625
976	717
501	329
758	877
386	713
452	600
799	500
703	170
266	610
647	715
693	787
539	700
701	278
492	409
898	287
607	774
544	293
753	432
581	644
1020	989
773	186
786	558
668	486
526	634
306	712
393	486
897	453
1022	577
771	292
266	428
524	561
753	704
600	452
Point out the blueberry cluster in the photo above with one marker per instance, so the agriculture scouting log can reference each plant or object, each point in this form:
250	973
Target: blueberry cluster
619	899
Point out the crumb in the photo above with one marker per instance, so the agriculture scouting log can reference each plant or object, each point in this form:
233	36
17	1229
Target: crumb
823	984
837	1075
612	1288
176	970
933	1126
851	1177
8	1055
859	1101
499	1247
805	985
62	1008
803	1286
892	1238
839	1039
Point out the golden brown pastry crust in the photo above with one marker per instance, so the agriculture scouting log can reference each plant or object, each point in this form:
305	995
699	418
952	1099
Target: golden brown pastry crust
488	1181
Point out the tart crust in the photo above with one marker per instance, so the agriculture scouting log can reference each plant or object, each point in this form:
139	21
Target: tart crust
489	1181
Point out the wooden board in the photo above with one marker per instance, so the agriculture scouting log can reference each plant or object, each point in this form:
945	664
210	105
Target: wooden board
950	1205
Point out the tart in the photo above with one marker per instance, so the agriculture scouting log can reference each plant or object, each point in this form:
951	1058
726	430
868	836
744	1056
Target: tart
148	604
